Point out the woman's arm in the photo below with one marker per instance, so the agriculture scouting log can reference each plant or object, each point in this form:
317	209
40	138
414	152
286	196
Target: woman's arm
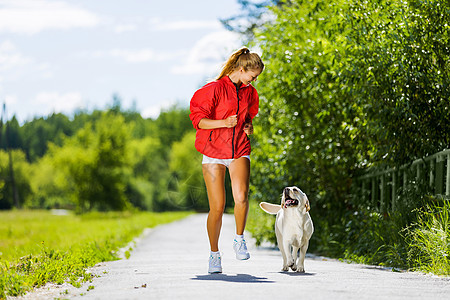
229	122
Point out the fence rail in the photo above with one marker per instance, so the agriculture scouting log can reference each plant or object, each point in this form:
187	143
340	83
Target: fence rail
381	188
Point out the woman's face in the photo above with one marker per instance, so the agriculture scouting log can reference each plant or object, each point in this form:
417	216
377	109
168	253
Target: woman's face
248	76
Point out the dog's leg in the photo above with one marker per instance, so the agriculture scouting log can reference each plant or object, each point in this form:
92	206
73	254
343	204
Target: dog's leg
294	257
288	262
283	253
301	260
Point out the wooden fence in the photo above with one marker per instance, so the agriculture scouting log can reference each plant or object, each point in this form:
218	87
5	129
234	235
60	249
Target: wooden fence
381	189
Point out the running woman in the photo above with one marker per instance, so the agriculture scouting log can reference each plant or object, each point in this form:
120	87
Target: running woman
222	112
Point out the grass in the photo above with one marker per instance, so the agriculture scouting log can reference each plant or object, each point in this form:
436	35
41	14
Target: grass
37	247
429	239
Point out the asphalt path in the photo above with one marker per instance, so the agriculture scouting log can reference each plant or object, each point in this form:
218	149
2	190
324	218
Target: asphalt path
171	262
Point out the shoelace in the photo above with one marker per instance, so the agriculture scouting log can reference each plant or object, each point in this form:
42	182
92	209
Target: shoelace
215	260
242	245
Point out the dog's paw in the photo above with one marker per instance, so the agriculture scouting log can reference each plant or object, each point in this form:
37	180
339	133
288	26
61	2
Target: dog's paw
300	270
285	269
294	267
290	263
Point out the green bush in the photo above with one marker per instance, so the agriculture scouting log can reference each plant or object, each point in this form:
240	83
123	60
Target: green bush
348	85
429	238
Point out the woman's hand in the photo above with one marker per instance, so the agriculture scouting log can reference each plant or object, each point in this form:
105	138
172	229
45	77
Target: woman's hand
248	128
231	121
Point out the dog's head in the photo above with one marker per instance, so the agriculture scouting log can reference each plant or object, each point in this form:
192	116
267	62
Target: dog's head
293	197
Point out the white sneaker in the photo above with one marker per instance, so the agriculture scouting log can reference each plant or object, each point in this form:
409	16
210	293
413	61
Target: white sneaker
240	247
215	264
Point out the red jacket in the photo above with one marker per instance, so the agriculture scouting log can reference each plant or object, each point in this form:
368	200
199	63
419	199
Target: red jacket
218	100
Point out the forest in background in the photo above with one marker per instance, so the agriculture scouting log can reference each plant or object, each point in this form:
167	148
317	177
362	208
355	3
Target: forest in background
111	159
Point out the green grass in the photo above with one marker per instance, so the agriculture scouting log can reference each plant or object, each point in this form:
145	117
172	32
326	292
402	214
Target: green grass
37	247
429	239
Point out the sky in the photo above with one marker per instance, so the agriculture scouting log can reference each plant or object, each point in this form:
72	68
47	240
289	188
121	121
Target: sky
65	55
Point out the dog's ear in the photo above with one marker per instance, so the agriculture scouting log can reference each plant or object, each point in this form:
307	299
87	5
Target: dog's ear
307	206
270	208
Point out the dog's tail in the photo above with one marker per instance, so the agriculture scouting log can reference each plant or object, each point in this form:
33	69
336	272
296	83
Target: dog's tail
270	208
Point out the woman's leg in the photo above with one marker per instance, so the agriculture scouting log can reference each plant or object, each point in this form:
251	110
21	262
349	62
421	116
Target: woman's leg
240	177
214	175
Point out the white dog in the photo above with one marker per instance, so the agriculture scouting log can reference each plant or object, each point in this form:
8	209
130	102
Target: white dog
293	227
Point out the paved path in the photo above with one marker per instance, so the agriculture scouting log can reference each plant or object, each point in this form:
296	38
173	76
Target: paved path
171	263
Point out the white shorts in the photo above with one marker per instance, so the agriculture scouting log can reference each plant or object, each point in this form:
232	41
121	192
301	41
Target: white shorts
225	162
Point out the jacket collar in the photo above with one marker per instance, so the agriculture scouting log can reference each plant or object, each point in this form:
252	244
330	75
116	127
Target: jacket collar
228	81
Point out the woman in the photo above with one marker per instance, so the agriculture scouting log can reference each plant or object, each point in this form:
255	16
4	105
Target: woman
222	113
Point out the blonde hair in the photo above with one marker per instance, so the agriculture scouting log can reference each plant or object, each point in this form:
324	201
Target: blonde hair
241	58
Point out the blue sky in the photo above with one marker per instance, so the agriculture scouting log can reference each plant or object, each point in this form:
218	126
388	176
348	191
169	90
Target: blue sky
61	55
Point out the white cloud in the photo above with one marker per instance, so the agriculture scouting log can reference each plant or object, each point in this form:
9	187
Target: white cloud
10	58
142	55
10	100
7	46
45	70
154	110
56	102
14	65
209	53
121	28
135	55
159	24
33	16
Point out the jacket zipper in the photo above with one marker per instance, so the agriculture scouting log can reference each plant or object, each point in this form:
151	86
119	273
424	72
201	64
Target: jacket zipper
234	128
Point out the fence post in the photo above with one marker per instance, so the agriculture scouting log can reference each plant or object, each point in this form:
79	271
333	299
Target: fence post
376	183
374	192
418	176
394	190
363	190
405	180
447	186
383	191
432	169
439	179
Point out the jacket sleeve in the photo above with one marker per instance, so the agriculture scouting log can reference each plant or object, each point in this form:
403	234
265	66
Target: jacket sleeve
254	106
202	104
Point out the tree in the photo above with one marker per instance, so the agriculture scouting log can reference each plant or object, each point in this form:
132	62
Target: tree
253	16
149	169
400	53
94	164
303	132
11	137
186	189
21	179
172	124
347	85
37	133
49	185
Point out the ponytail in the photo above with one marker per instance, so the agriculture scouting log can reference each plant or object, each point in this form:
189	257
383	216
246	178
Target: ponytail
241	58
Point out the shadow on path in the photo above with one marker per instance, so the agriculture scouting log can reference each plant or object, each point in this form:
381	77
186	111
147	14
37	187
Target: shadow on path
296	273
233	278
